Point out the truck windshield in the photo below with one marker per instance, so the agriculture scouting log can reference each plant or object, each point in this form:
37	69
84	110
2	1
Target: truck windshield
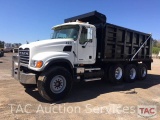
67	31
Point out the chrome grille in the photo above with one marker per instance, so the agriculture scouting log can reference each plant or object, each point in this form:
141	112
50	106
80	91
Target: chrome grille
24	55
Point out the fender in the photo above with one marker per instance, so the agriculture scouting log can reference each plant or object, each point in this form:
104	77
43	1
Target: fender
48	57
59	62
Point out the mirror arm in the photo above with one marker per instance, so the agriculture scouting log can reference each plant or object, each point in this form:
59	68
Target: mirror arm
85	45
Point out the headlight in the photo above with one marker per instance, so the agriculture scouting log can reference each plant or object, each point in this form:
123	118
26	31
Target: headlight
37	63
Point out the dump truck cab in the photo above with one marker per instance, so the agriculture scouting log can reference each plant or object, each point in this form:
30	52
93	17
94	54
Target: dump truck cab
68	42
83	36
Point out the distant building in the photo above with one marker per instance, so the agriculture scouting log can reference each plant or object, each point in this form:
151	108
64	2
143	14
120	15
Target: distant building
16	45
9	47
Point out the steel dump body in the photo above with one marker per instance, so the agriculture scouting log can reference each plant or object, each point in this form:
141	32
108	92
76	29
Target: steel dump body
115	43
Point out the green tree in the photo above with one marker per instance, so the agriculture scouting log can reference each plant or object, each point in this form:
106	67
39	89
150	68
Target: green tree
154	43
158	44
155	50
1	44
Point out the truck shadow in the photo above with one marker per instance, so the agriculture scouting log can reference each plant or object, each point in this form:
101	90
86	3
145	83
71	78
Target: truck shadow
34	93
90	90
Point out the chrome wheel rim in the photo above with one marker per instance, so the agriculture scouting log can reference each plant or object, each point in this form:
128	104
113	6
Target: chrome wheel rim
58	84
118	73
132	73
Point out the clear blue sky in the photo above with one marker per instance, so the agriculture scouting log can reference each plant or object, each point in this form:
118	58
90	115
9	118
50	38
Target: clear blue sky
32	20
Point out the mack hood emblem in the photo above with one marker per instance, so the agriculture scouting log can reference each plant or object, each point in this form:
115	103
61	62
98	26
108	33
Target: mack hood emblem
25	53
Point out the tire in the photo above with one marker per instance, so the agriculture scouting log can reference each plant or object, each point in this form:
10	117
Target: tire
55	84
106	74
141	71
29	85
116	74
130	73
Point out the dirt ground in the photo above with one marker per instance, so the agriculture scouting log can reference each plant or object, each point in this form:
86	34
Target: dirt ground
93	100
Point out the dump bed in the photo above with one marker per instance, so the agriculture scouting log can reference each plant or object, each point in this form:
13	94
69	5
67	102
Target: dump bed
122	44
115	43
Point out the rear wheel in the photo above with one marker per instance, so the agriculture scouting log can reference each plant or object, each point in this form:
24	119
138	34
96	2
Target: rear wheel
141	71
116	73
130	73
55	84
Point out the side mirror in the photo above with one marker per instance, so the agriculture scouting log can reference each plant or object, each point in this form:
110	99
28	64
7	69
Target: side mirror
89	33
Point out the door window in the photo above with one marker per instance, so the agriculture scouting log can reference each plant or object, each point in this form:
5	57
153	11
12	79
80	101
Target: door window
83	38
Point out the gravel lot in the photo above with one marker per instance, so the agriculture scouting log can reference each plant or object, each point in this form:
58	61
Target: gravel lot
93	100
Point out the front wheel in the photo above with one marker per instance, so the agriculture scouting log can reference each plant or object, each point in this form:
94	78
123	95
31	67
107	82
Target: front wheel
55	84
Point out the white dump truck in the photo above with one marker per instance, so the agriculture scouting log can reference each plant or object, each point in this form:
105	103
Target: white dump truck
84	48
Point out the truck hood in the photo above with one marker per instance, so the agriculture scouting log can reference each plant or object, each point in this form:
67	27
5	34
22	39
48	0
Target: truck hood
48	42
48	47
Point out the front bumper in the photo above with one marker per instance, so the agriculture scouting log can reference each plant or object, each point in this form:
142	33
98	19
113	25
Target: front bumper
25	78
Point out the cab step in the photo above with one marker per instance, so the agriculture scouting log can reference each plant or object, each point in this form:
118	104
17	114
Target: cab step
93	79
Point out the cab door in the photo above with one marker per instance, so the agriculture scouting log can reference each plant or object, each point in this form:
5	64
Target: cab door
85	46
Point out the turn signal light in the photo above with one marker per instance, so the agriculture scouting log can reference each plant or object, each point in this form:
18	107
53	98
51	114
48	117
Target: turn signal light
39	64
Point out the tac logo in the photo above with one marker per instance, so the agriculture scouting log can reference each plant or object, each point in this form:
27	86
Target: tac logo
147	111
